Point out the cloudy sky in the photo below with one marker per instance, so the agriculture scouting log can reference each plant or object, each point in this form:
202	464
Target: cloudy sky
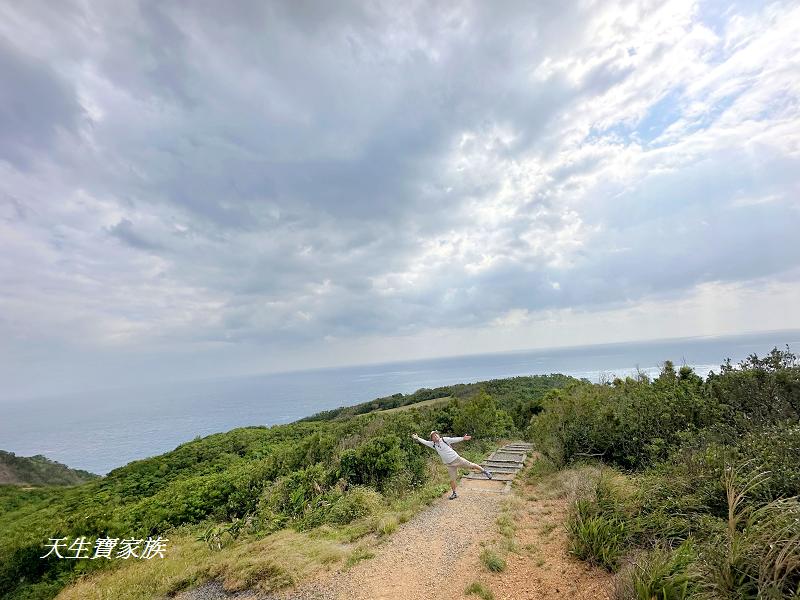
211	188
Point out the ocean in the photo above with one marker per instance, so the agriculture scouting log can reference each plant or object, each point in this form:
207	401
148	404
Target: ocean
102	430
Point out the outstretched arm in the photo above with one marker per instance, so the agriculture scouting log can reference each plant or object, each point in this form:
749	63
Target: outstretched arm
454	440
427	443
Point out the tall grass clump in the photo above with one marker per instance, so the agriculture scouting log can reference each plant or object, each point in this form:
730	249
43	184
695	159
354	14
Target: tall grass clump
478	589
493	561
661	573
758	554
597	525
595	537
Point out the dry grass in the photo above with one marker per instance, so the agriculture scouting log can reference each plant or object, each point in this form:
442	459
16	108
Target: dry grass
572	483
423	404
269	563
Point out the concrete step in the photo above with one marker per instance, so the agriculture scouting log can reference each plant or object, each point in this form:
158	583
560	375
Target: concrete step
493	458
510	465
507	455
495	477
494	470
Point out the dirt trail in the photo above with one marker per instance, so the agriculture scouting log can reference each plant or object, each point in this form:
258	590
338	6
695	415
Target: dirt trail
437	554
424	558
542	568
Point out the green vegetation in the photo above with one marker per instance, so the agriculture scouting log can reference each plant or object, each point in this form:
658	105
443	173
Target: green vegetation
521	397
595	536
478	589
38	470
662	573
697	496
227	502
493	561
423	404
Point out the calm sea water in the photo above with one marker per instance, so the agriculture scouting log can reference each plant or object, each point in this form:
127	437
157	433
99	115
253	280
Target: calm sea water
104	430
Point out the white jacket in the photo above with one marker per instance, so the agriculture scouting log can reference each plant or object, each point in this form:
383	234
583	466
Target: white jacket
446	453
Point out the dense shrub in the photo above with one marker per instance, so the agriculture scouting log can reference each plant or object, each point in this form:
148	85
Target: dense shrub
632	423
576	421
295	494
356	503
759	390
776	449
373	463
481	418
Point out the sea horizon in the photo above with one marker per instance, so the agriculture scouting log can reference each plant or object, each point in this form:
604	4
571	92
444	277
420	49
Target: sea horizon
91	431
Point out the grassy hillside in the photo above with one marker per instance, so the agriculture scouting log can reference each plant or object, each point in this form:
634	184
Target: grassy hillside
518	395
352	474
38	470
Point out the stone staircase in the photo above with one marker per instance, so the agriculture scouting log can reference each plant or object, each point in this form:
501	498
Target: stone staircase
504	464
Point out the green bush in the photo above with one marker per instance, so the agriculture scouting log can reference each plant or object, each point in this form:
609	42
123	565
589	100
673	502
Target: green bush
356	503
295	494
634	423
575	421
775	448
373	463
759	390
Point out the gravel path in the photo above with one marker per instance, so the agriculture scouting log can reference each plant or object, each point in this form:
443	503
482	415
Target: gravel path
435	553
428	556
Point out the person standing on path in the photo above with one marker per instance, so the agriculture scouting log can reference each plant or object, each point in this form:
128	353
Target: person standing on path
450	457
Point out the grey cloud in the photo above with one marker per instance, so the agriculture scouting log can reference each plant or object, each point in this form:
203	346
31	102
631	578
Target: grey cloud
281	160
382	125
125	231
35	102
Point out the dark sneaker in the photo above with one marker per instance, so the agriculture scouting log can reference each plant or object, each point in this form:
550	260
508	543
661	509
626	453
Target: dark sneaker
488	475
452	496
